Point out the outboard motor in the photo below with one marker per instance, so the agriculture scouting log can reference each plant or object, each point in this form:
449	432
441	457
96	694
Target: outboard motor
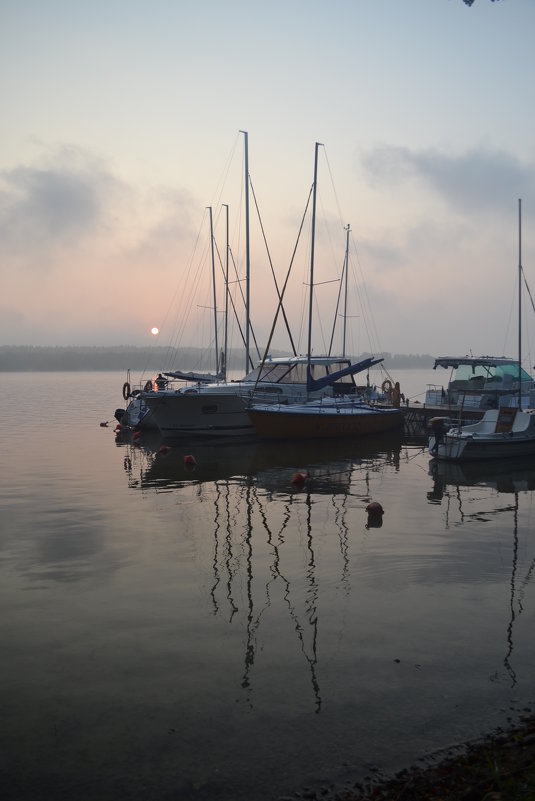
120	415
439	426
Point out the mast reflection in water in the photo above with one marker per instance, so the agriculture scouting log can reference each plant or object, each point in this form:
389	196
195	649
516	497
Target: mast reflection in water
217	632
501	478
258	474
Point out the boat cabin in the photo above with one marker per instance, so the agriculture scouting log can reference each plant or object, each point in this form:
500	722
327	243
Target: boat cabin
293	370
484	383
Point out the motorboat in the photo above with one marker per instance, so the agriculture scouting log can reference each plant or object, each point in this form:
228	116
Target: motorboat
480	383
501	433
505	432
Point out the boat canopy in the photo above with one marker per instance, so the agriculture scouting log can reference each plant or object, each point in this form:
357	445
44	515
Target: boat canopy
294	369
489	368
315	384
201	378
471	361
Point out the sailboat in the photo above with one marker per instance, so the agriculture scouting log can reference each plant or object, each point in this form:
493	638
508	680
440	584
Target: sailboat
219	408
506	432
329	417
138	414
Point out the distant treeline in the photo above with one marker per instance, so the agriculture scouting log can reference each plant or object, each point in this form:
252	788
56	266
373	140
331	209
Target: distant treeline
21	358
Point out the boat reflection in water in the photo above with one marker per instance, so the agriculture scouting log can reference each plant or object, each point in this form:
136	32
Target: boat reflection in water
453	484
250	565
327	465
505	475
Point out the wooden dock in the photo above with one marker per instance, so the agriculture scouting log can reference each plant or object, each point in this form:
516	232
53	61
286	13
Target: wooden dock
416	416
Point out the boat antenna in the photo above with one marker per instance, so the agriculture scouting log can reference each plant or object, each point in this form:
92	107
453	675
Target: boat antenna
519	303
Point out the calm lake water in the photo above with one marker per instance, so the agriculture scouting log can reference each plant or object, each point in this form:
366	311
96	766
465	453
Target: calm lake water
218	634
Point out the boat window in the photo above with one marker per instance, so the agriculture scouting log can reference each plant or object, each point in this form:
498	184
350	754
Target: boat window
268	390
279	373
466	372
270	373
512	370
295	373
489	374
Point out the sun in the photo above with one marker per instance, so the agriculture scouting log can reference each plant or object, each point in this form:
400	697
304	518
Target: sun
155	331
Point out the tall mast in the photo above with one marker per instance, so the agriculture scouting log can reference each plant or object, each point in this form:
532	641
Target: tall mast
213	286
247	255
311	298
345	291
519	303
225	348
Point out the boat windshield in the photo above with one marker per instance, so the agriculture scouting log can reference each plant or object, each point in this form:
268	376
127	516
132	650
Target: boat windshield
293	373
503	373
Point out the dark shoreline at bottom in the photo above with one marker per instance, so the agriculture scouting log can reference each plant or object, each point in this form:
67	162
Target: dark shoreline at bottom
499	766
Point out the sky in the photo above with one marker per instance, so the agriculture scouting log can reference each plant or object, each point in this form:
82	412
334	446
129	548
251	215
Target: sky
121	124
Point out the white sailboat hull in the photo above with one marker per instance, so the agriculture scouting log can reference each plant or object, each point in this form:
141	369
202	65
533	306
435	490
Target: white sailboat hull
200	413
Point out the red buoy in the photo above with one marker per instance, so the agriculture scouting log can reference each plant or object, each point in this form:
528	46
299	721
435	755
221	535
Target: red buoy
299	479
137	434
190	460
164	449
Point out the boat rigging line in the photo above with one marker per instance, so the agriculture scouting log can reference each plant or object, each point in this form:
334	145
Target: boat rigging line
268	344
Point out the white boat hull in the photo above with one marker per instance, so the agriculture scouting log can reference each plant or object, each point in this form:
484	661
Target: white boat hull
488	439
137	415
201	414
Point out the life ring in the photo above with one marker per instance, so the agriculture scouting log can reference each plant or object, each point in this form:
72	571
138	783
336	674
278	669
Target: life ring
126	390
148	386
386	386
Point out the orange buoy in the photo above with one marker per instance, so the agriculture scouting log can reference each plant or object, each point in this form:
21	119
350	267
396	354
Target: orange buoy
164	449
190	460
375	509
375	515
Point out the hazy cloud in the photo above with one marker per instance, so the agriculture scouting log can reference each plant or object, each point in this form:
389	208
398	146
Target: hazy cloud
475	181
73	238
70	204
53	204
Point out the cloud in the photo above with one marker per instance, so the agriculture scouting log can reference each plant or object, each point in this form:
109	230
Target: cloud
75	238
477	181
70	208
53	204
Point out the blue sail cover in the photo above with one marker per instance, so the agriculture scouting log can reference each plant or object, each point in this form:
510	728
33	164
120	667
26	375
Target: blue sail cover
315	384
201	378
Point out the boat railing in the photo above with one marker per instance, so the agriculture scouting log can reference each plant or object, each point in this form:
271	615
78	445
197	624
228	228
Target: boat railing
435	395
